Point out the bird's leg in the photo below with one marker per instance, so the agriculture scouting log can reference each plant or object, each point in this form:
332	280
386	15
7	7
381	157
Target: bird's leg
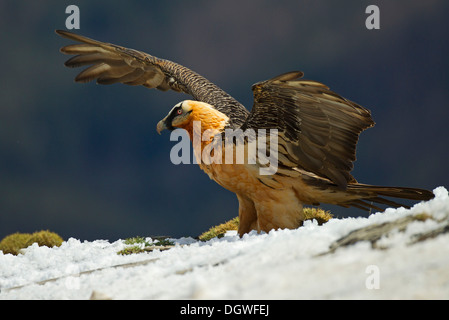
247	215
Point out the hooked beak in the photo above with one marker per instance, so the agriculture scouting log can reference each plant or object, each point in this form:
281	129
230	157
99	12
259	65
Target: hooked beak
161	126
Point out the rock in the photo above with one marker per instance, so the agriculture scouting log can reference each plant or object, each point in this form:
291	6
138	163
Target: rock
96	295
373	233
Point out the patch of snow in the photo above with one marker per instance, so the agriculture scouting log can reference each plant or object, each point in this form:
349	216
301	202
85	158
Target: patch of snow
283	264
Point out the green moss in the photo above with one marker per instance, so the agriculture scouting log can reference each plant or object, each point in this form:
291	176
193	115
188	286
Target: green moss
136	240
15	242
320	215
163	242
220	230
131	250
45	238
140	245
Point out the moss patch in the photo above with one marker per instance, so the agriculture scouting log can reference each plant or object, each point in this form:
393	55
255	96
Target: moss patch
15	242
220	230
320	215
141	245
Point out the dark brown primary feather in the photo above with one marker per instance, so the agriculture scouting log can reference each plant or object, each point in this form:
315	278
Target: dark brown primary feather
318	129
111	63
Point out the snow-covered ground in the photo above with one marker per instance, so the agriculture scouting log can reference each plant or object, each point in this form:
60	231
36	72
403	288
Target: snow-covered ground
284	264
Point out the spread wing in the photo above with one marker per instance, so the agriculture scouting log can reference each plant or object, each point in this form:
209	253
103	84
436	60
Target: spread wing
317	129
109	63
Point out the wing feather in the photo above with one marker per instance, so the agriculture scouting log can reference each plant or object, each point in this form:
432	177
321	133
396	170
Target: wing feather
318	129
109	64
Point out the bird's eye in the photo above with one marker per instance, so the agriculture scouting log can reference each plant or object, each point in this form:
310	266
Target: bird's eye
179	111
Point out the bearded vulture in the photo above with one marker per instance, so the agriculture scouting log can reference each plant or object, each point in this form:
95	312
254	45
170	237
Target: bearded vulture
314	130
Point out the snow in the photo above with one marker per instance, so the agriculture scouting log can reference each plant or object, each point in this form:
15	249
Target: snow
283	264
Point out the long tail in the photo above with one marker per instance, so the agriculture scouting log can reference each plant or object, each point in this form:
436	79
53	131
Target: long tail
369	194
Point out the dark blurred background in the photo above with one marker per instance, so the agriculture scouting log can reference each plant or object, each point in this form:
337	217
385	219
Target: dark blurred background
85	160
